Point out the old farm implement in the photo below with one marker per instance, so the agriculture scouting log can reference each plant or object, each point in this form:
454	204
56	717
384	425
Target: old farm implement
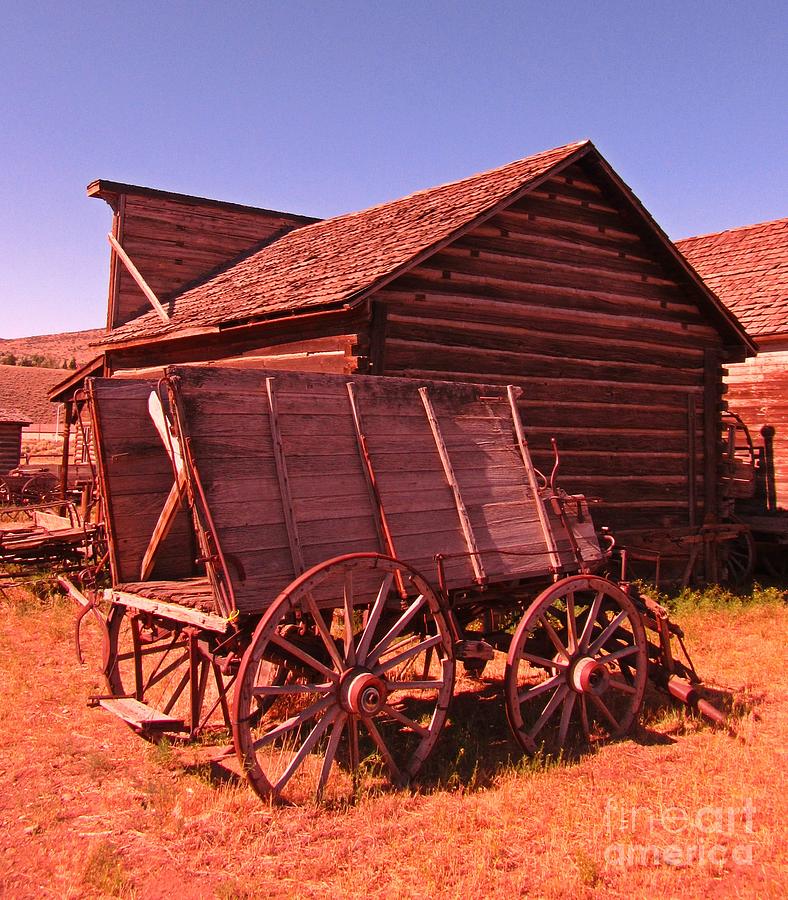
303	560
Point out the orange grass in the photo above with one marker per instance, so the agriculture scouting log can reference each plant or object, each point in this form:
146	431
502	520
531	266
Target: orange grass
87	809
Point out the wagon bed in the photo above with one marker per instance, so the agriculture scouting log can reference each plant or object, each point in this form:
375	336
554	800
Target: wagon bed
284	471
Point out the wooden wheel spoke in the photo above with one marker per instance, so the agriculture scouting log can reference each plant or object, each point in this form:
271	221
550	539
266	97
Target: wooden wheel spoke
395	630
584	717
404	720
305	657
552	705
602	707
394	771
553	635
408	654
622	686
276	690
294	721
571	622
619	654
425	685
608	632
566	718
353	754
374	618
305	749
537	690
588	628
543	662
347	603
322	629
331	752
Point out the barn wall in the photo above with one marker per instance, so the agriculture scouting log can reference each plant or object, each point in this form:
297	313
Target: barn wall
173	242
758	392
564	295
10	445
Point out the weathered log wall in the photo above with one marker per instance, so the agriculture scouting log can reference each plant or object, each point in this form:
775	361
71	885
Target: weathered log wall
565	295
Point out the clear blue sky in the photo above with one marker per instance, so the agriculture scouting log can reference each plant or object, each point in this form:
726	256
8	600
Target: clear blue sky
325	107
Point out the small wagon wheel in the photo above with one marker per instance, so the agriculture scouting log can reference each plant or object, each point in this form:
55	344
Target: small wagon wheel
160	664
5	492
40	487
577	666
369	680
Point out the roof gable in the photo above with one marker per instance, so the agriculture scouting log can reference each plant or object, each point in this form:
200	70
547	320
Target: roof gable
337	262
747	268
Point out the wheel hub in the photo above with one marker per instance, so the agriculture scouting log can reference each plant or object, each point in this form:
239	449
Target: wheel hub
363	693
589	676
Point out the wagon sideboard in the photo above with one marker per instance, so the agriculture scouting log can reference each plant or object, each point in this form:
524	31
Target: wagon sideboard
287	470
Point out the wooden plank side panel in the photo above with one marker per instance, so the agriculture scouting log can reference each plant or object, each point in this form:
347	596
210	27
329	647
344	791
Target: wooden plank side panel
138	477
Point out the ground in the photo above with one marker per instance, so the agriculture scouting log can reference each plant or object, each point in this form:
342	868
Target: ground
87	809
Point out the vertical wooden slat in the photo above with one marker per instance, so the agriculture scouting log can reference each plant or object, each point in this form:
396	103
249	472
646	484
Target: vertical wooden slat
549	538
379	513
448	469
296	553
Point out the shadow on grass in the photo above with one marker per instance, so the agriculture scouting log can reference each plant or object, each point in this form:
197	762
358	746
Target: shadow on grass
476	747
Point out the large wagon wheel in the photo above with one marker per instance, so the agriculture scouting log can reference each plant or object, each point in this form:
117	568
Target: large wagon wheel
370	676
161	664
577	666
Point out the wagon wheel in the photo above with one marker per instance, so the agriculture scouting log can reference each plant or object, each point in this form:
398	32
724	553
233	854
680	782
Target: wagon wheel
40	487
150	660
369	681
738	558
577	666
5	493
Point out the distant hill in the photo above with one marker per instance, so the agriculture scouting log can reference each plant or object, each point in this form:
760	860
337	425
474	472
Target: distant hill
56	348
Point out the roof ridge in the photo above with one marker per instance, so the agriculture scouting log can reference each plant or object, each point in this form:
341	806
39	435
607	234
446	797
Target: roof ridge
697	237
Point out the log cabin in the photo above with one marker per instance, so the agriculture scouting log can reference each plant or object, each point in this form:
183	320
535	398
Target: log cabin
11	424
747	268
547	273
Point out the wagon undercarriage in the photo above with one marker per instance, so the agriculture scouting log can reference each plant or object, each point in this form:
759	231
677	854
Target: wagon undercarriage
333	668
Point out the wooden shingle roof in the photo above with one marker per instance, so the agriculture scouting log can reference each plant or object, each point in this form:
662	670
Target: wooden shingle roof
331	262
747	268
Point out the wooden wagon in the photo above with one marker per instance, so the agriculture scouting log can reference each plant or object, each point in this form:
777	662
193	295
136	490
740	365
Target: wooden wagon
303	559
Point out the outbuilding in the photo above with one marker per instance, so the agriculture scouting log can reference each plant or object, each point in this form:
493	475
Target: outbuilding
747	268
546	273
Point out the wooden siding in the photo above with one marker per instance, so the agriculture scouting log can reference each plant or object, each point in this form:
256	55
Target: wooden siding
10	445
758	392
175	241
566	296
336	343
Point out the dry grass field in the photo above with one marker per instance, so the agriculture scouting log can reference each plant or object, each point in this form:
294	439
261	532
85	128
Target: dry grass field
87	809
